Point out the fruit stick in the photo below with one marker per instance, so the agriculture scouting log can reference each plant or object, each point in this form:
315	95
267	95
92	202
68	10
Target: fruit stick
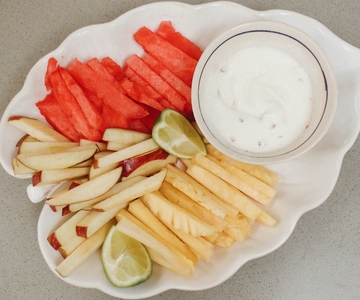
94	99
118	156
134	77
37	129
128	137
57	159
55	116
88	190
173	58
51	67
95	220
112	118
137	93
62	234
139	210
138	125
20	168
243	181
168	32
83	251
72	108
37	147
151	118
131	89
194	190
113	68
260	172
184	201
69	246
179	85
101	71
131	164
137	190
159	251
104	90
202	248
225	191
160	85
54	176
117	188
90	110
175	216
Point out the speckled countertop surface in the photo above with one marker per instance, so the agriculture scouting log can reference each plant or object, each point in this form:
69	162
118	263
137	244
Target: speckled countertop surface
321	259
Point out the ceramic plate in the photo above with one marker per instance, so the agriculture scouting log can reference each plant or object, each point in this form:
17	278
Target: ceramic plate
305	183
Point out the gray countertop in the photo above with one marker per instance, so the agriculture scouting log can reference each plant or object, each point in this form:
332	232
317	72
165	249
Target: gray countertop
321	259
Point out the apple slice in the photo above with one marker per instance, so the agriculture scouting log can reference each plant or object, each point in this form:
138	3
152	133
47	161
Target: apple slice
117	188
39	147
124	136
95	220
86	163
37	129
134	150
116	146
69	246
84	250
61	235
151	167
143	187
100	145
26	138
94	172
89	189
131	164
19	168
53	176
57	159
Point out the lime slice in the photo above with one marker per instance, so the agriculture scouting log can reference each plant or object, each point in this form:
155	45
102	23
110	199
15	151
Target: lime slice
175	134
125	260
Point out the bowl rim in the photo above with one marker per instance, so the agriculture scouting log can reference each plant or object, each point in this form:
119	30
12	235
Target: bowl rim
306	41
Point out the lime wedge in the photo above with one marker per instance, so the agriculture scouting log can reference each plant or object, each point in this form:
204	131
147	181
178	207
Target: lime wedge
175	134
125	260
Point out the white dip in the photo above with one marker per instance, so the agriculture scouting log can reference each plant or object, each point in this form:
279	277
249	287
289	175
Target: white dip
260	99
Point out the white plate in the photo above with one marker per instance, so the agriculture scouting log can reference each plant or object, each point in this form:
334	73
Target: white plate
306	182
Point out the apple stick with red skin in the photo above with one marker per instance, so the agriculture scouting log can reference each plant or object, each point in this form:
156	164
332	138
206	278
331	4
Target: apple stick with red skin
94	172
84	250
68	247
53	176
151	167
95	219
118	156
61	235
131	164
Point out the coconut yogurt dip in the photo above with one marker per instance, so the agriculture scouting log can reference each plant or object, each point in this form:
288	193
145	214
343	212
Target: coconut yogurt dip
261	98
